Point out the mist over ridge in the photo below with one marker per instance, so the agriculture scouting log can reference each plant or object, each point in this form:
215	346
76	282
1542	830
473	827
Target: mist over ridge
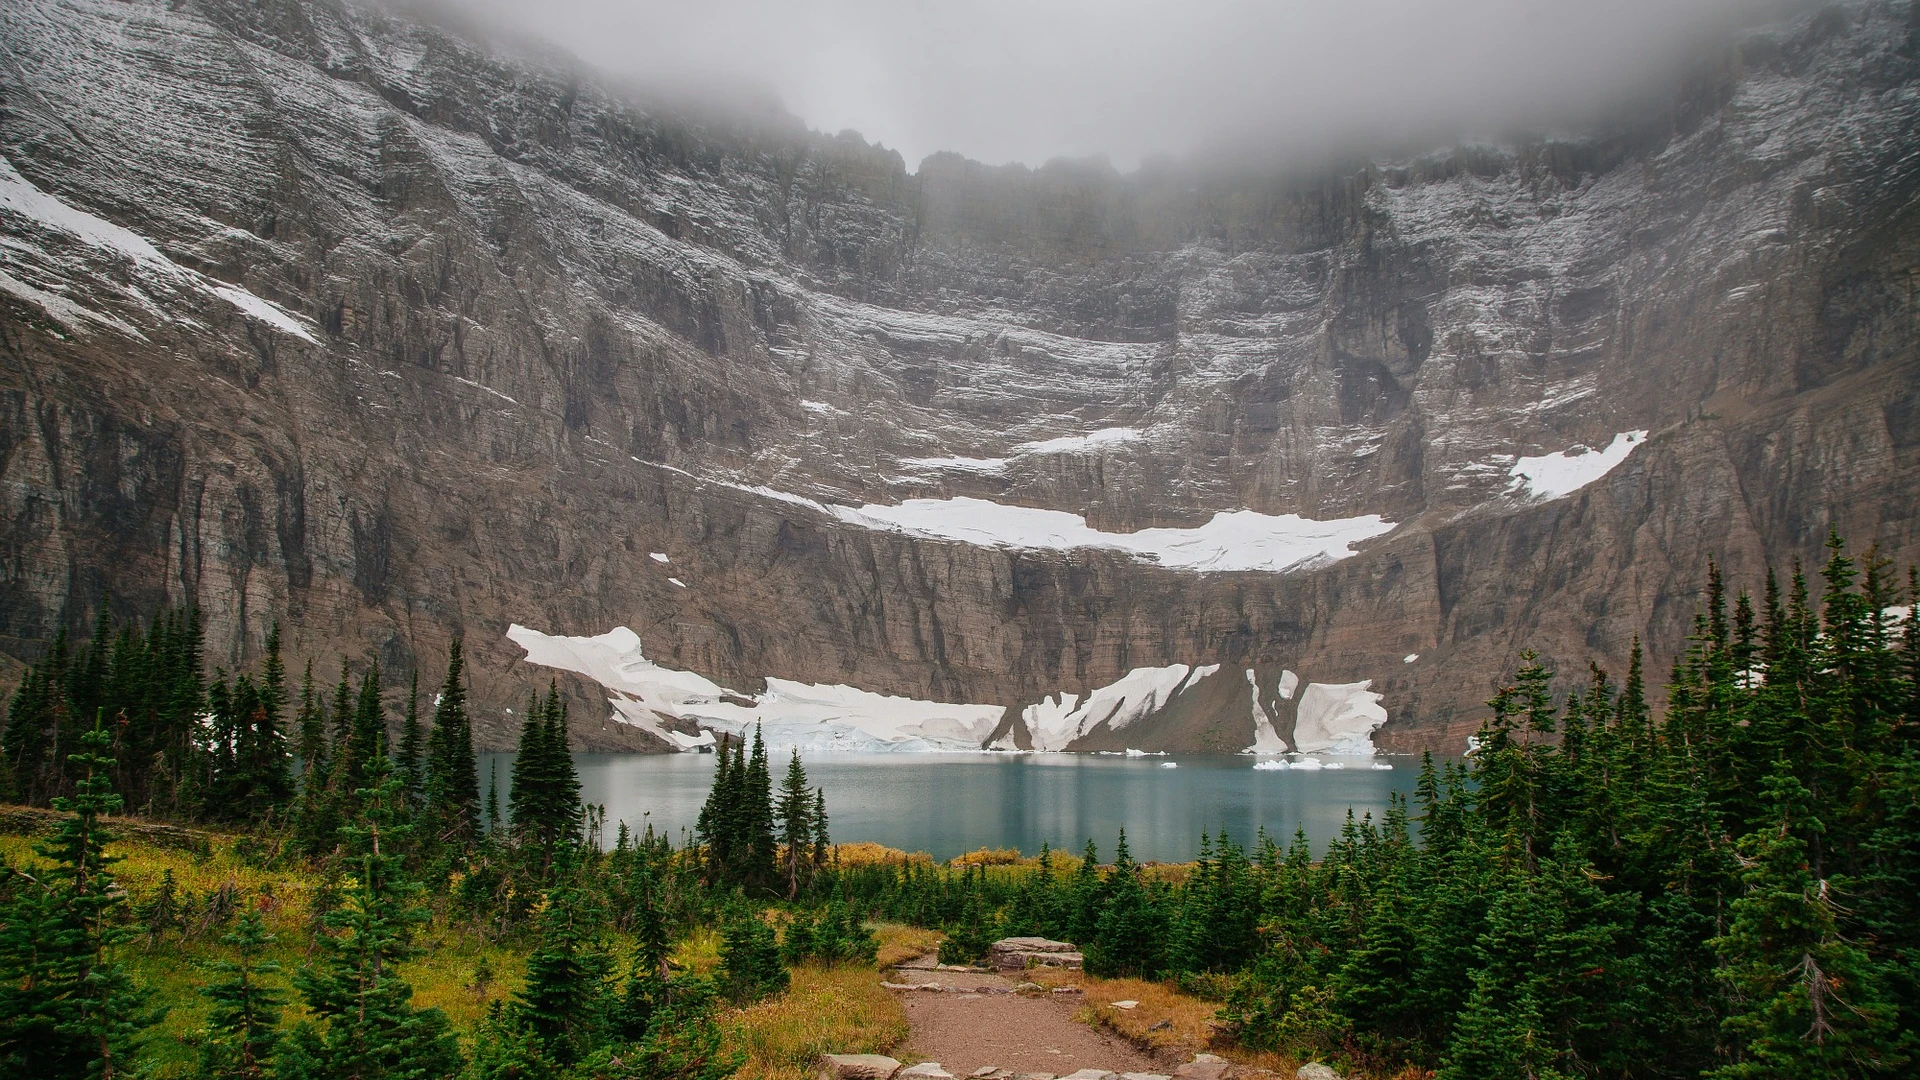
1030	83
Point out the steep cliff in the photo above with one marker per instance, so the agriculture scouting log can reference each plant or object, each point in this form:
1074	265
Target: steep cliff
318	313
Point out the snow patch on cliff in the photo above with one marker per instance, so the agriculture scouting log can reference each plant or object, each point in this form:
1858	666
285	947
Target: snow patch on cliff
21	199
1338	718
1266	738
1551	476
809	716
1232	540
1054	723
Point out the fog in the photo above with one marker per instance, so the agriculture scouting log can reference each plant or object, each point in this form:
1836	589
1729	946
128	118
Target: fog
1030	80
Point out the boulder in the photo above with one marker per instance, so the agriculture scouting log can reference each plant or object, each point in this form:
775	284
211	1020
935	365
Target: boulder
857	1067
1316	1070
1019	953
1202	1067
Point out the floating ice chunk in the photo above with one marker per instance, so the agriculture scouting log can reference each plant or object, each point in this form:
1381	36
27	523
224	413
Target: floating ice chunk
1306	763
1169	764
1232	540
1289	682
1270	766
1380	766
678	582
1551	476
657	556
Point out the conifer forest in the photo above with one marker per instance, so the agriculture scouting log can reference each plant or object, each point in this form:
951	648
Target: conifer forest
1725	887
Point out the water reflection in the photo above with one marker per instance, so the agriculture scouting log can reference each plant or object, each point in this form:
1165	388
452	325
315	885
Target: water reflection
945	804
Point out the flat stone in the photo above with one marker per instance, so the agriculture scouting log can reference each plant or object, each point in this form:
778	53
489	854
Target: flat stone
983	1072
1210	1059
1034	944
1145	1076
1034	1076
1126	1004
1028	988
926	1070
1164	1025
1202	1070
1316	1070
1016	953
857	1067
1067	990
1091	1074
885	985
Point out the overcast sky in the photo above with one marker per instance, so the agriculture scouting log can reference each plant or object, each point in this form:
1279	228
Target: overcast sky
1029	80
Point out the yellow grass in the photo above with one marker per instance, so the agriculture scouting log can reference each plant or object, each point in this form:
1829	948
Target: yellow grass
839	1010
1192	1029
900	942
866	854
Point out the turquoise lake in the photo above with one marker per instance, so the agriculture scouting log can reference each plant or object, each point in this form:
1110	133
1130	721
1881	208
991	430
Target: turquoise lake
946	804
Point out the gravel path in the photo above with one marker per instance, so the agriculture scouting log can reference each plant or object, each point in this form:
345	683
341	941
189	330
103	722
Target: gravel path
968	1031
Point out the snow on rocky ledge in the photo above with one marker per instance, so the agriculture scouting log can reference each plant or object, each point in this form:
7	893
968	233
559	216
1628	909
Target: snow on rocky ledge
1551	476
1232	540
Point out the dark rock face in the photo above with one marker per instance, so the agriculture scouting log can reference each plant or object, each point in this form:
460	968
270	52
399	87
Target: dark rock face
533	330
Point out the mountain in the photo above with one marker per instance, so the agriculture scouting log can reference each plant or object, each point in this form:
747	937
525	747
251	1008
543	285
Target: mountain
323	313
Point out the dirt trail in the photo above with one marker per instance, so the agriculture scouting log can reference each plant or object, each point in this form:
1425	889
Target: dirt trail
990	1025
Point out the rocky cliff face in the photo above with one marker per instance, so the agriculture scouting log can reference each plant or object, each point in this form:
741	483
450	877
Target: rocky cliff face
317	313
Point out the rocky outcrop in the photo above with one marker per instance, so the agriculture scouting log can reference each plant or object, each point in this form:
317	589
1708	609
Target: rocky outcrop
395	337
1021	953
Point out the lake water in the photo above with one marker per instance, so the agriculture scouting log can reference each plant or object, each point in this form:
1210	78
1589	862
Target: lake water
946	804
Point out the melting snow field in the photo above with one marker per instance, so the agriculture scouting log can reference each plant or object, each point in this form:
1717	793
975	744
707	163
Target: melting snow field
808	716
1333	718
1551	476
1233	540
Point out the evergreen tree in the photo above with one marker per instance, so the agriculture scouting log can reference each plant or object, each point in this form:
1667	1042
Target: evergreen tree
364	1023
244	1024
66	1009
452	777
1807	1002
408	764
750	958
796	826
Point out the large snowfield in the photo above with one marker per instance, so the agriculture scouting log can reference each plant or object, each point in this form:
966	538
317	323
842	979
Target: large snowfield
1232	540
1337	718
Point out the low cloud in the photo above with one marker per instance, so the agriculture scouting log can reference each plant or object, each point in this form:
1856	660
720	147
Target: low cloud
1030	80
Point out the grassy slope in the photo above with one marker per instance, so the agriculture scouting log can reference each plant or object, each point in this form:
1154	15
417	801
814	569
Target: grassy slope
839	1010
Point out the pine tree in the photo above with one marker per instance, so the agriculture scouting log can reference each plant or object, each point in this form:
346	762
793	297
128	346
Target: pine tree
66	1009
244	1023
566	999
750	958
452	776
364	1023
1807	1002
759	843
821	842
796	826
408	763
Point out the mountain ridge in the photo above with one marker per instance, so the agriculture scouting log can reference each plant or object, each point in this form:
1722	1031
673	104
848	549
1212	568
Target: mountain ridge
552	332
